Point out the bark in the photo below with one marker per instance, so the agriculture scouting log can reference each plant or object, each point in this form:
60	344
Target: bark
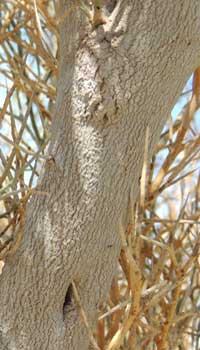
114	81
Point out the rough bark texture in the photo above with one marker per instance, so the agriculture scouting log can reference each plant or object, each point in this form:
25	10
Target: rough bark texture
114	81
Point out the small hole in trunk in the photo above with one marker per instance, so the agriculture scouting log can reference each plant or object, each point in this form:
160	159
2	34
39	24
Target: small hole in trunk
68	302
110	5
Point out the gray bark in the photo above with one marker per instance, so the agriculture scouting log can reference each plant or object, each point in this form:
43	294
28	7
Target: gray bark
114	81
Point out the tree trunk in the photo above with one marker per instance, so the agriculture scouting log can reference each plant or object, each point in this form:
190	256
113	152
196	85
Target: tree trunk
115	80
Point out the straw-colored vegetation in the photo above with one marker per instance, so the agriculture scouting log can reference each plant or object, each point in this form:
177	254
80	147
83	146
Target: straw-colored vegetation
154	301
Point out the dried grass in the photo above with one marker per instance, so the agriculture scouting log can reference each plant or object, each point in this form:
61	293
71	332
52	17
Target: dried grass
154	301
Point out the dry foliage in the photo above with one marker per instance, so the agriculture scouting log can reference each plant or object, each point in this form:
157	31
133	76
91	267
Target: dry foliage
154	301
155	298
28	70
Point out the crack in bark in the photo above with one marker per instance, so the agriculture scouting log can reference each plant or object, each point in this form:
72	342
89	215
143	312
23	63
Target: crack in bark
68	304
